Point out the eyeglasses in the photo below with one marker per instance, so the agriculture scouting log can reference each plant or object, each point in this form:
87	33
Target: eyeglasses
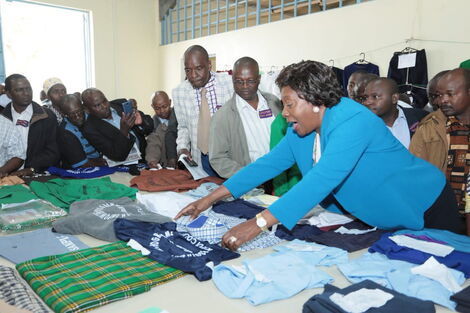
249	82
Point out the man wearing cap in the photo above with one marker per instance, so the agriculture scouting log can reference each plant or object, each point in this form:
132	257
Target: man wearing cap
54	90
36	125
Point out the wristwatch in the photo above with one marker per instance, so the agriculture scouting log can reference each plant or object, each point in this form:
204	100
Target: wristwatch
261	222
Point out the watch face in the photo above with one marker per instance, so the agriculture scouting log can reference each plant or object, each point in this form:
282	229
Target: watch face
261	222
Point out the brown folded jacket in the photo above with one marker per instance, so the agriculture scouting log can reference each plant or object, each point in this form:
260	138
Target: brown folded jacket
169	180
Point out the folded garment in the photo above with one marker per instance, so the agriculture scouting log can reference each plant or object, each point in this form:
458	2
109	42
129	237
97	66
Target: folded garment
38	243
322	303
167	203
458	242
83	172
348	242
462	298
211	226
244	209
15	194
96	217
169	180
86	279
11	180
14	292
172	248
278	275
456	259
29	215
63	192
397	275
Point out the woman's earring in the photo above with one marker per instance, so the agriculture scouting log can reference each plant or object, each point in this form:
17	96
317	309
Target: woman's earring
315	109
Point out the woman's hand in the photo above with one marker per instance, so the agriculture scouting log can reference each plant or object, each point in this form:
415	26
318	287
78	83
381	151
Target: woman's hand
240	234
195	208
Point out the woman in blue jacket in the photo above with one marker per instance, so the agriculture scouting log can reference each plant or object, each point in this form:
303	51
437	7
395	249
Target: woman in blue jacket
345	151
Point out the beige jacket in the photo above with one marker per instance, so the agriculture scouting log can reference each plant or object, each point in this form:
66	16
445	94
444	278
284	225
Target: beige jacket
431	141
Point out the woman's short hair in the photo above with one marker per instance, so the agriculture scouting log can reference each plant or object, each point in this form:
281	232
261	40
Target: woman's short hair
313	81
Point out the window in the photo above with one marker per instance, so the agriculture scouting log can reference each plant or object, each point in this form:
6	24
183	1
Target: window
42	41
189	19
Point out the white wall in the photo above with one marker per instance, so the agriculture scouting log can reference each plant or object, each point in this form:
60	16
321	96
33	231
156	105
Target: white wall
377	28
125	46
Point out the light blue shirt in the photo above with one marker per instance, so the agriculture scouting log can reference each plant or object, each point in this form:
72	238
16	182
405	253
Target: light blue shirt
278	275
400	129
397	275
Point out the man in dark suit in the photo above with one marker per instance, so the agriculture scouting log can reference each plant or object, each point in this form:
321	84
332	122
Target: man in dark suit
161	144
381	97
107	127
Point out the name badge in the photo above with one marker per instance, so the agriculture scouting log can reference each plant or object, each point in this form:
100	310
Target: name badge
265	113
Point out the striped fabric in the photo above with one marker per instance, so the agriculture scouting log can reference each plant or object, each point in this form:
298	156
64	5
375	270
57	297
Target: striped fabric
14	292
89	278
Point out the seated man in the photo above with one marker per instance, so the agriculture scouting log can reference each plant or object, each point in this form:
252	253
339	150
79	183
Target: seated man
161	143
37	126
442	138
431	91
75	150
381	97
356	83
12	152
54	90
108	130
143	125
240	131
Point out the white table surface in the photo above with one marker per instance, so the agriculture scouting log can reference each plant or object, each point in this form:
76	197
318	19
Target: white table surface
188	295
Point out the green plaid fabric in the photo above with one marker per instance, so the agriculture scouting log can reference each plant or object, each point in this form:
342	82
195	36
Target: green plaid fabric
82	280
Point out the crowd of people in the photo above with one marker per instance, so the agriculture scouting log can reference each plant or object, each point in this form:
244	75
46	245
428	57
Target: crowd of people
368	153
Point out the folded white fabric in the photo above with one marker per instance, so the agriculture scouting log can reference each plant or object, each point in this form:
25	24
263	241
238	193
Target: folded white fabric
361	300
167	203
438	272
325	218
433	248
343	230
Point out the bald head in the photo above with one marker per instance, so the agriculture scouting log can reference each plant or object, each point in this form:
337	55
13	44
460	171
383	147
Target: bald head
454	94
161	104
197	66
72	108
96	103
431	89
246	79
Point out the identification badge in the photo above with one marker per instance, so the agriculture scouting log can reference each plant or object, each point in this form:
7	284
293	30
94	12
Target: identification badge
265	113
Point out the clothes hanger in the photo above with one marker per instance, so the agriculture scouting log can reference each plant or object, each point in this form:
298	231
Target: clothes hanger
362	60
332	62
407	50
271	70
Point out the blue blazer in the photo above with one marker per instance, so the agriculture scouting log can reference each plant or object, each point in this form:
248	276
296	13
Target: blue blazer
371	174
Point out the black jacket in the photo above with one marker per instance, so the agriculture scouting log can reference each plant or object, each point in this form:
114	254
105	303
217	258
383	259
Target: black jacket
42	150
141	131
107	139
413	117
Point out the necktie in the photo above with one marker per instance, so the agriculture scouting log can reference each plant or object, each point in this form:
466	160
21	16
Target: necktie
23	123
203	124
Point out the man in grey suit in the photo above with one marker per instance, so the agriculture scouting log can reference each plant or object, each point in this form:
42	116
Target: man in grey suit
240	129
161	143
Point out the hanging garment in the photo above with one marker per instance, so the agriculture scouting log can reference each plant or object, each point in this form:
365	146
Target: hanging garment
354	67
411	80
